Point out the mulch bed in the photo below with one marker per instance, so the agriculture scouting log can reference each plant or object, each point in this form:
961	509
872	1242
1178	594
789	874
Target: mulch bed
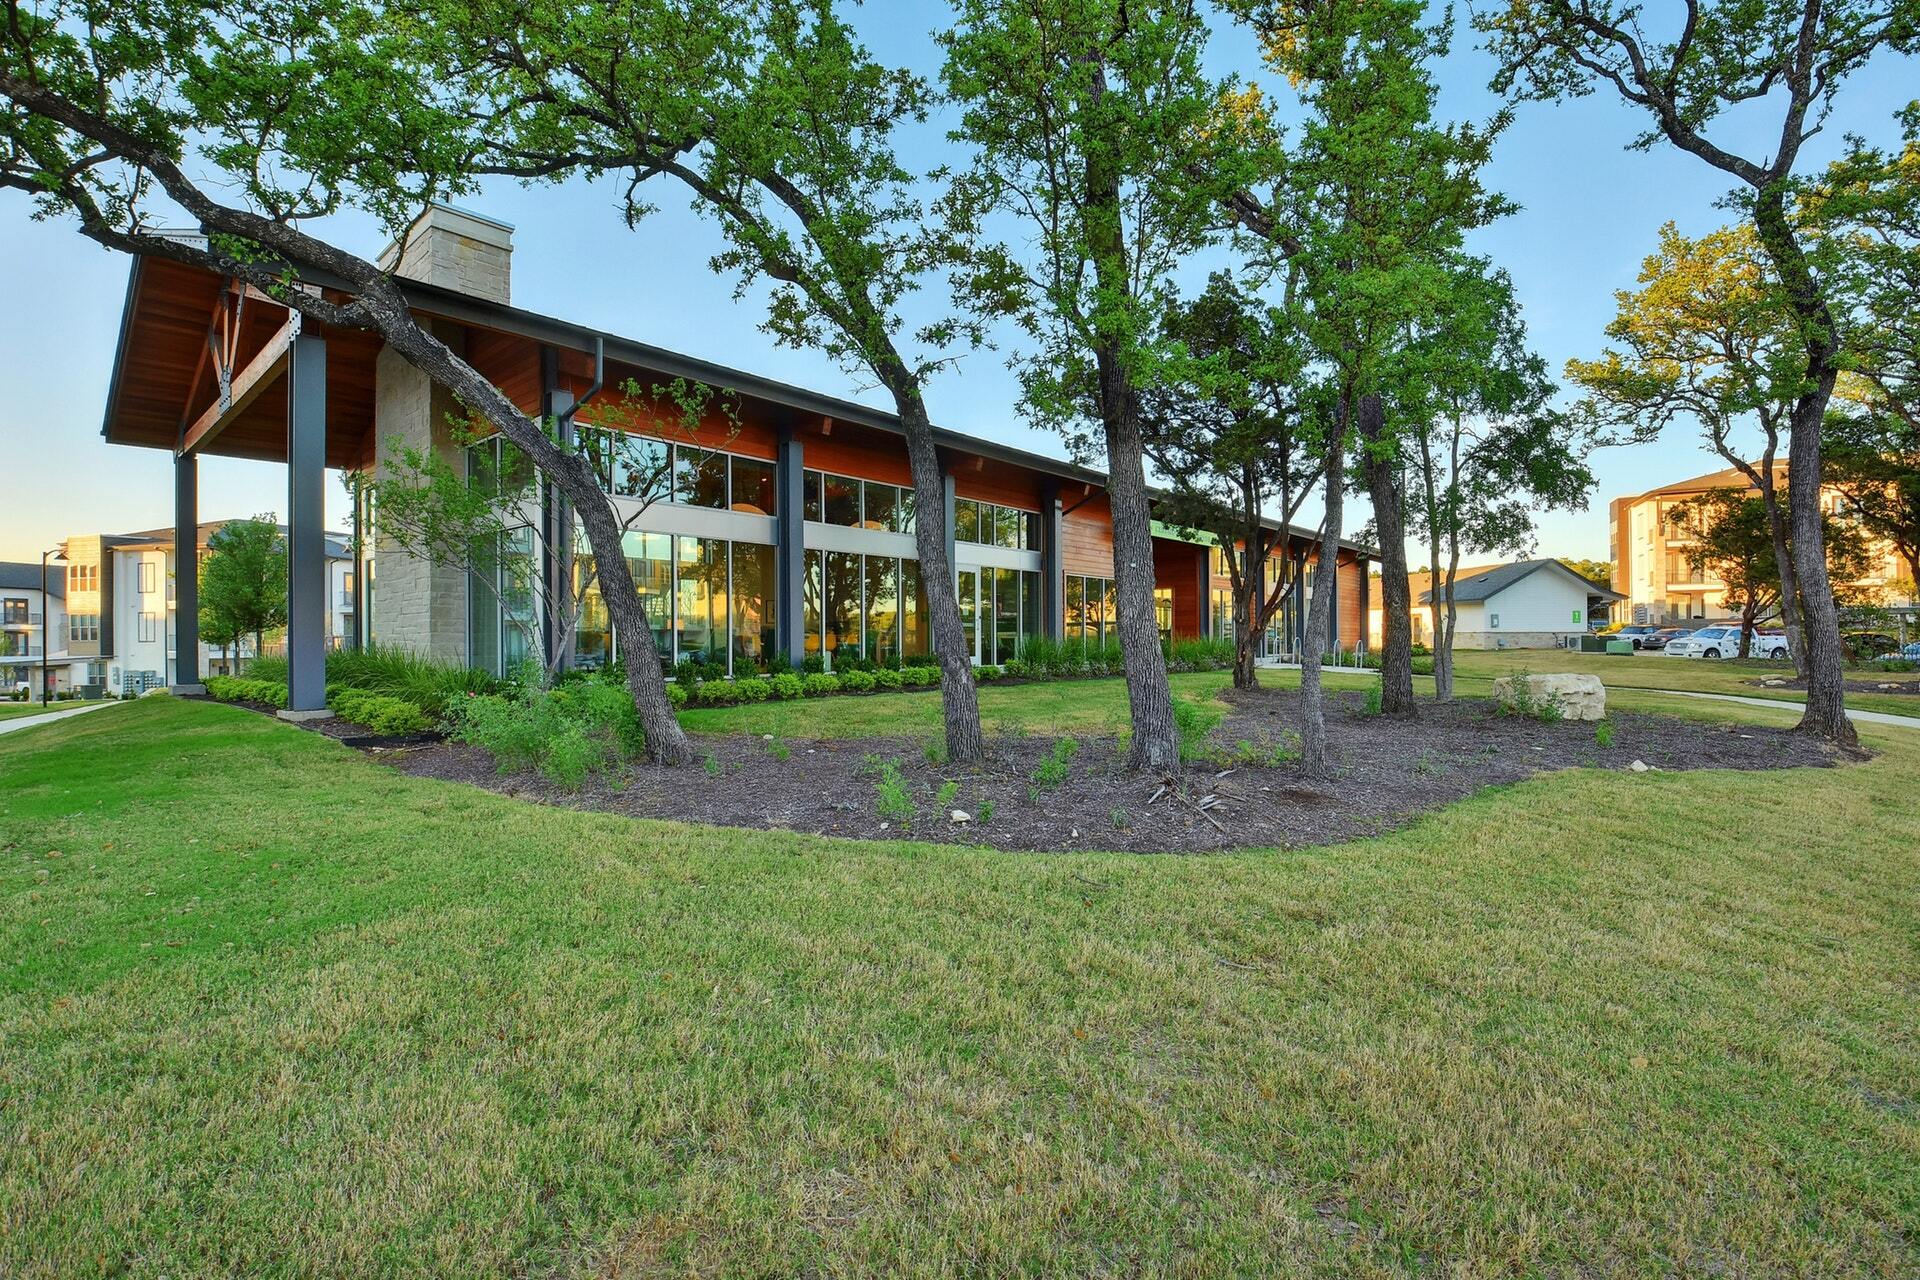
1388	773
1891	682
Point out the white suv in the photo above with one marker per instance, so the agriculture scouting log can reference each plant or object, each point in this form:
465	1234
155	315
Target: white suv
1724	642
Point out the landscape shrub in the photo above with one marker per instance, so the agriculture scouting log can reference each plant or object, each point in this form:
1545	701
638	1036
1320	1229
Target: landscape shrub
566	732
784	686
377	711
920	676
714	693
988	673
676	696
856	681
393	672
888	678
247	689
751	689
1199	653
918	660
819	684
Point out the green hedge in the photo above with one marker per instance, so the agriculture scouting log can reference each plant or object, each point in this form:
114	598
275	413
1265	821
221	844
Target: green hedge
377	711
236	689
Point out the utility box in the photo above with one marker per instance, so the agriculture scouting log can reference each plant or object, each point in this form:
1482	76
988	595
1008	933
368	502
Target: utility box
1620	646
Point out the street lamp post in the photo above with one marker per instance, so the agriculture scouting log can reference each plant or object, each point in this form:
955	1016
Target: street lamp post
46	624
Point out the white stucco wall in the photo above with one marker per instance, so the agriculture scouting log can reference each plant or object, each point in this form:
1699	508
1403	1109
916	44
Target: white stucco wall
1534	612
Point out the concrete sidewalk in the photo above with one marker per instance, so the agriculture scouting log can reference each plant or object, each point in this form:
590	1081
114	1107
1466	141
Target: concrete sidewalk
1777	704
28	722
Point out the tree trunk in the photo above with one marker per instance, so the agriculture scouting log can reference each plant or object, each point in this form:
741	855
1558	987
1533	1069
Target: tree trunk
1377	455
959	697
1826	713
1156	743
646	681
1246	612
1314	758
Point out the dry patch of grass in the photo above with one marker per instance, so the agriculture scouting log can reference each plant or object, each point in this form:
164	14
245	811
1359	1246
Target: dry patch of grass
269	1008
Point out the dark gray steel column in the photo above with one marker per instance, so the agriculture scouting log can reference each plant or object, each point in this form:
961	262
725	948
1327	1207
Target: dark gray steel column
1206	593
556	568
186	574
946	488
1053	579
359	567
1333	608
306	527
1366	603
789	542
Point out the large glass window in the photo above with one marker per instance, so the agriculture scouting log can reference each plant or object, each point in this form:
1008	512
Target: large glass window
842	500
636	467
967	590
1220	613
1163	611
966	521
883	506
752	604
908	504
883	608
814	604
519	611
1006	615
814	504
650	561
1094	598
702	564
753	487
843	591
1007	527
1075	611
593	637
914	638
699	477
1030	603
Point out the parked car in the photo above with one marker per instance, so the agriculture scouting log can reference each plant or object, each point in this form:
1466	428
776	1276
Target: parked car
1909	654
1665	636
1637	633
1864	646
1724	642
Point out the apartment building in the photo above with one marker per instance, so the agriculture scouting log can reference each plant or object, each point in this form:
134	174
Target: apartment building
787	527
121	619
29	617
1652	571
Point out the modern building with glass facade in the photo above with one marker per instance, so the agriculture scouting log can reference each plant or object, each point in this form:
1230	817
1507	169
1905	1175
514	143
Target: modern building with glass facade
779	521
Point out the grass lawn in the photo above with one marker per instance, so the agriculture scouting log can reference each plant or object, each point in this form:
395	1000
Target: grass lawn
269	1008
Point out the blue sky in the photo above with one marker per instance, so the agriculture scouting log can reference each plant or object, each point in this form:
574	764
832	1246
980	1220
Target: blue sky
1590	211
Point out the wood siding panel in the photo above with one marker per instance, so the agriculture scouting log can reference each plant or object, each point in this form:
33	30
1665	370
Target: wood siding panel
1086	540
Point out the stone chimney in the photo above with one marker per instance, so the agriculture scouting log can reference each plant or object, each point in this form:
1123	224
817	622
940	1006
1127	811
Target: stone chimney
456	250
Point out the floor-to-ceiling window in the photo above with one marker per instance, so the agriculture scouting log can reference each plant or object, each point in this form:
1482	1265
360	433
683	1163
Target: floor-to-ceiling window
752	604
883	608
914	626
701	565
1006	616
650	560
843	603
593	637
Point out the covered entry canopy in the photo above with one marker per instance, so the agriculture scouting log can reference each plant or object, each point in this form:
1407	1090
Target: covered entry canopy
193	344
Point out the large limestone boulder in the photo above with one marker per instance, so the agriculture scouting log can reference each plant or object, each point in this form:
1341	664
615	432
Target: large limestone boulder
1577	697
